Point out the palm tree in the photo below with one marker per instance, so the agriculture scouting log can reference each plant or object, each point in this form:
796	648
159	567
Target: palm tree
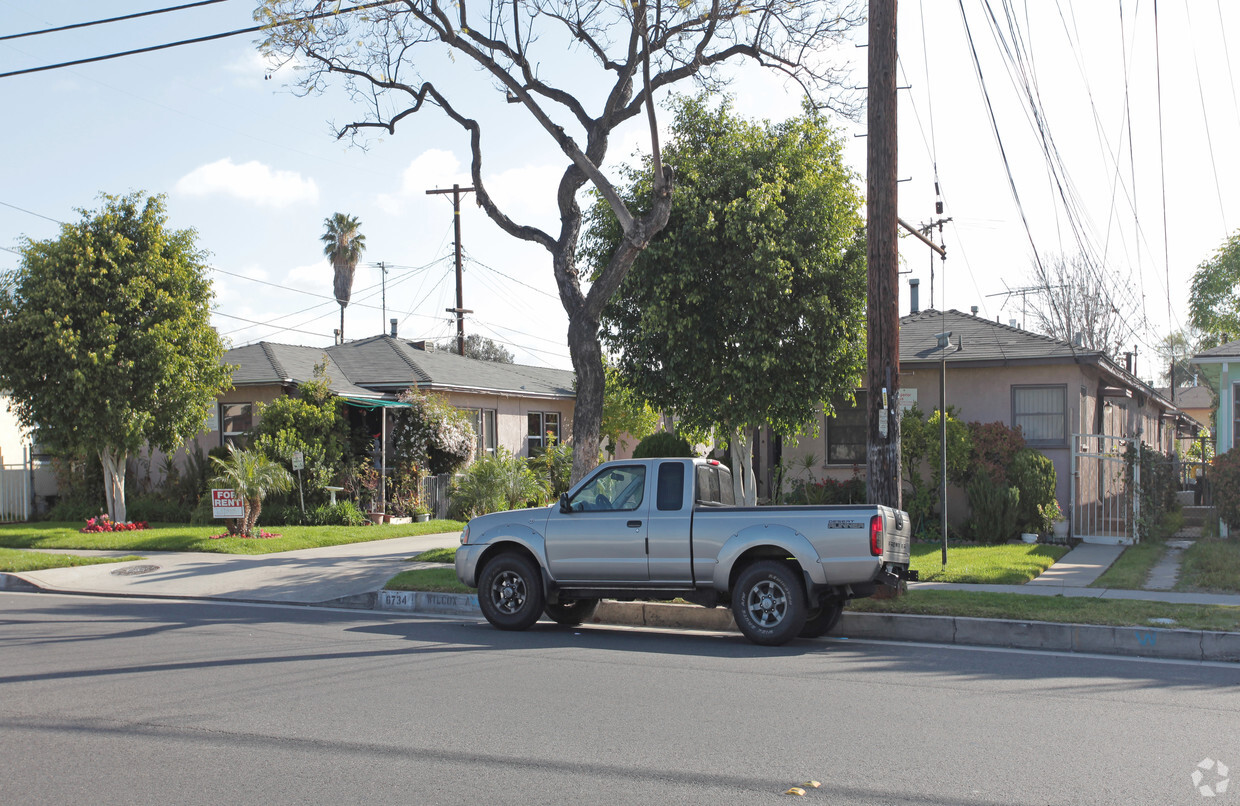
343	245
252	476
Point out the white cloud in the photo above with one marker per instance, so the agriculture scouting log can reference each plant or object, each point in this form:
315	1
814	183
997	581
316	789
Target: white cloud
431	169
252	182
528	194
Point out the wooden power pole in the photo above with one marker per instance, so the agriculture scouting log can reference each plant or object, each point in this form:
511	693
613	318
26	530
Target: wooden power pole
460	309
882	255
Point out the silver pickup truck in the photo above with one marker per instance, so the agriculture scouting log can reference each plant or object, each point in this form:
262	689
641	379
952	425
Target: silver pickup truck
666	528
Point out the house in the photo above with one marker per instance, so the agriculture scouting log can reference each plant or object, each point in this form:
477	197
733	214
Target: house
1054	391
1220	367
513	405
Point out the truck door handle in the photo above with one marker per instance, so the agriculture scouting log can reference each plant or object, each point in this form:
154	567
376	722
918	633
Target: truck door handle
634	524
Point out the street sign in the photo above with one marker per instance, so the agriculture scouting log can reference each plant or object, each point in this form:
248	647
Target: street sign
226	504
299	460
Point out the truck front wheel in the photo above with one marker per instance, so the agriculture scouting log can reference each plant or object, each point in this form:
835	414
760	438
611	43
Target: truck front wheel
768	603
510	592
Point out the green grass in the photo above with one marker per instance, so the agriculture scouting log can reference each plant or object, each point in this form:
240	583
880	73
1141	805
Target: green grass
1064	609
435	580
984	565
181	537
447	555
1132	568
16	561
1211	565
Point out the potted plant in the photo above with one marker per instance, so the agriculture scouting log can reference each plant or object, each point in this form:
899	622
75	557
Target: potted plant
421	514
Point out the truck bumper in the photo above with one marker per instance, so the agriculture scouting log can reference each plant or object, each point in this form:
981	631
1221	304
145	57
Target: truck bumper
467	564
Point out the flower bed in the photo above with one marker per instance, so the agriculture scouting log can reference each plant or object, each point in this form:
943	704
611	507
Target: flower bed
259	536
105	524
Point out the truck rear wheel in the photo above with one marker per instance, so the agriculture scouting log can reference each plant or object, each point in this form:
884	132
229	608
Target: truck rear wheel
768	603
571	613
510	592
823	619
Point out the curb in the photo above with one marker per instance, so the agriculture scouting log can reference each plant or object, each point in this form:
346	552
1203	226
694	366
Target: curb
11	582
1198	645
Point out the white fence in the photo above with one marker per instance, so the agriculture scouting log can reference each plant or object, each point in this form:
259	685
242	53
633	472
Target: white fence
14	494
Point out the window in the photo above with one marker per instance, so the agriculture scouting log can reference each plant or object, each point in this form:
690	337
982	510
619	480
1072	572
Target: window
542	423
1038	411
714	486
671	495
236	421
484	432
847	432
1235	406
616	489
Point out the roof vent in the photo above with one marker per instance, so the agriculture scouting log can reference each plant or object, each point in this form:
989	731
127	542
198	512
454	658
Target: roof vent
1078	339
1011	323
914	304
973	310
392	322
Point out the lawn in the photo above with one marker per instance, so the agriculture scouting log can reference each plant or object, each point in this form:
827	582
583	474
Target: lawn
434	580
1007	564
1132	569
16	561
1064	609
182	537
1211	565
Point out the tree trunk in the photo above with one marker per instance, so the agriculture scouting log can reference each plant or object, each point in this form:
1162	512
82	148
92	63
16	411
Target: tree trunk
744	485
114	482
253	509
587	355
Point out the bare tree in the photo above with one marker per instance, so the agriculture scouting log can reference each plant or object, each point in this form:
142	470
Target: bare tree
1082	300
609	57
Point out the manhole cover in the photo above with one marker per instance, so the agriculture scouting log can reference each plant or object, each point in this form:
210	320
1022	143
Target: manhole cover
134	570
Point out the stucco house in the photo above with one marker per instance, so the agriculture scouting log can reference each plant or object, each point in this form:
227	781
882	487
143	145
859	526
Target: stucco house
1220	367
513	405
1053	390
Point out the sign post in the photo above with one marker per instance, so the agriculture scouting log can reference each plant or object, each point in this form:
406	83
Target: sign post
299	464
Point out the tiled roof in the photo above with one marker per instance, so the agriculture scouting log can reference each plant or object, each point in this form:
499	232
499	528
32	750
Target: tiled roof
1229	350
982	340
381	364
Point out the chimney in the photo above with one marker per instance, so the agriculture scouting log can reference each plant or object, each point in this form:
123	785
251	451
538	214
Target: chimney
1011	323
336	336
973	310
914	304
1078	339
392	322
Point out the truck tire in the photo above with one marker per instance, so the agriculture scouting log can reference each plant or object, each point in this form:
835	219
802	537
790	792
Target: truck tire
822	619
510	592
571	613
768	603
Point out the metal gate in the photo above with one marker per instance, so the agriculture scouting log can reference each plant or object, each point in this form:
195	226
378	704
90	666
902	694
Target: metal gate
14	494
1105	505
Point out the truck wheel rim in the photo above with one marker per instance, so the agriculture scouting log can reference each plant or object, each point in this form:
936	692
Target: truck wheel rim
508	592
767	603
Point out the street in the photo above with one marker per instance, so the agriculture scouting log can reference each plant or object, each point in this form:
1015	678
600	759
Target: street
109	700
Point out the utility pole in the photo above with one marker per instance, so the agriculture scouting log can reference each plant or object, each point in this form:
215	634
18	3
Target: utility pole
459	310
882	256
383	297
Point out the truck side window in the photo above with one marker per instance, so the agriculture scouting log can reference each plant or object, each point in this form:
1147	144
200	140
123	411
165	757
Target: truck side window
618	488
707	486
671	495
725	486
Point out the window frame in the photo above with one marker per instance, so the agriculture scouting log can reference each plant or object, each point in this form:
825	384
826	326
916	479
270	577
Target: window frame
536	443
485	440
1055	442
233	437
861	403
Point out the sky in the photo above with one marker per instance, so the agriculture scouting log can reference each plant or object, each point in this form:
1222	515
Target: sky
254	168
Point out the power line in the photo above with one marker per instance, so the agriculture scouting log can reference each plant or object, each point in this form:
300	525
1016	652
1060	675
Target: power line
195	40
31	212
110	19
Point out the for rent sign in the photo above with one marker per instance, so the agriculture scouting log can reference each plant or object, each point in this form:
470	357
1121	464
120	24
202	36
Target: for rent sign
226	504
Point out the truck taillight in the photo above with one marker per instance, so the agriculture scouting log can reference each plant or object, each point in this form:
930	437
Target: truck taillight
876	535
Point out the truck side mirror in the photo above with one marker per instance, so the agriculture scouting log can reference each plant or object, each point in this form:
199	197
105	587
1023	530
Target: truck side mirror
564	506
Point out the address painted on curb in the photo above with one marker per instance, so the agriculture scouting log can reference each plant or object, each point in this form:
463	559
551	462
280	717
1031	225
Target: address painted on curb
454	604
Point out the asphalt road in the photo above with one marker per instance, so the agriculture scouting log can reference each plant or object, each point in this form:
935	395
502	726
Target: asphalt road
129	701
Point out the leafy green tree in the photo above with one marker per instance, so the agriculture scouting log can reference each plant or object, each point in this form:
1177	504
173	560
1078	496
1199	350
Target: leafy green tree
479	347
748	309
252	476
624	412
343	243
312	423
106	341
405	60
1214	298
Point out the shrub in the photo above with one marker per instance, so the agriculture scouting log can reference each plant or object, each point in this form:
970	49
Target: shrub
663	445
156	507
341	513
555	465
994	446
826	491
1225	478
996	507
73	511
1034	475
1157	489
496	483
